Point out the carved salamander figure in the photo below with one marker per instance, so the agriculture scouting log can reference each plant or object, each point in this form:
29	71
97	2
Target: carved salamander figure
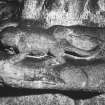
31	40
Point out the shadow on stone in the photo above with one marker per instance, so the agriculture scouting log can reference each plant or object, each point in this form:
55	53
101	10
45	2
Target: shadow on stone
75	94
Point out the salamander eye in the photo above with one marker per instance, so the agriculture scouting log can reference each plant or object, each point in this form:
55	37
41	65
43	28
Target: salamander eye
11	50
8	49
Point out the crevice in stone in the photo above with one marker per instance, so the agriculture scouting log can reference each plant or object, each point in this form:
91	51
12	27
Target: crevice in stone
73	53
74	94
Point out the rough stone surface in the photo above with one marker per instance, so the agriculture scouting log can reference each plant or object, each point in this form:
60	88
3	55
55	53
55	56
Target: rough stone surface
65	12
46	99
96	76
98	100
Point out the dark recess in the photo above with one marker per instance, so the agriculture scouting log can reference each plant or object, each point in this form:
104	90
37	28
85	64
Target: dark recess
75	94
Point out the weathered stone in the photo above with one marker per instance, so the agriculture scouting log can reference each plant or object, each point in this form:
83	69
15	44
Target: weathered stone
98	100
96	76
46	99
31	74
73	75
65	12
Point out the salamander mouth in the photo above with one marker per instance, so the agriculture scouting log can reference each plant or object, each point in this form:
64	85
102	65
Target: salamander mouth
83	55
